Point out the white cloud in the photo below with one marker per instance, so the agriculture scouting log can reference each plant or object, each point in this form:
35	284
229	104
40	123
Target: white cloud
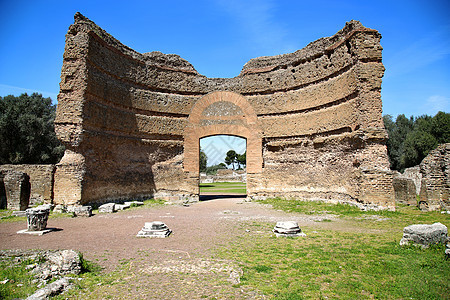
6	90
420	53
257	22
436	103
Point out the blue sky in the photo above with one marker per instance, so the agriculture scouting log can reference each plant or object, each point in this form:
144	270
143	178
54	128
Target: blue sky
219	36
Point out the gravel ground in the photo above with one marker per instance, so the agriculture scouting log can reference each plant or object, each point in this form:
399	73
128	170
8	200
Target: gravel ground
178	267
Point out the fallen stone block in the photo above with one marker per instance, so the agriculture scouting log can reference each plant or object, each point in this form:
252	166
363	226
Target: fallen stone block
82	211
122	206
107	208
59	208
424	234
155	229
55	288
288	228
19	213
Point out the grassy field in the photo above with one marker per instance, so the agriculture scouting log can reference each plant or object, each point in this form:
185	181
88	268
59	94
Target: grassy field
223	187
361	260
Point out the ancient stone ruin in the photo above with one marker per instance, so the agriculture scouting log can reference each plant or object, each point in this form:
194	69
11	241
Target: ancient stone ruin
435	187
22	186
14	190
131	122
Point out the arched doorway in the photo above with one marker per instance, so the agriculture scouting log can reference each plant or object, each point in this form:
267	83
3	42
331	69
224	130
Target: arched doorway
223	167
222	113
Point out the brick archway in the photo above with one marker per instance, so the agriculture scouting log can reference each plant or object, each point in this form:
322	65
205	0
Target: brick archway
222	113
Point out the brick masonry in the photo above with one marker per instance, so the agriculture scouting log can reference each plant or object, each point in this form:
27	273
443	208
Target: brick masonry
131	122
40	180
435	187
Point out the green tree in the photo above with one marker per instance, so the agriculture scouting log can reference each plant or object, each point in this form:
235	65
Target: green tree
27	132
242	159
203	161
231	158
410	140
441	127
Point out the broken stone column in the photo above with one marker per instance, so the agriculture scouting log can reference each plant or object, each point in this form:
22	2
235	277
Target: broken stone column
288	228
155	229
37	218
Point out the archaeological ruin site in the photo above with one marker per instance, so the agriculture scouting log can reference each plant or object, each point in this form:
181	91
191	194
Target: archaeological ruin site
131	124
312	119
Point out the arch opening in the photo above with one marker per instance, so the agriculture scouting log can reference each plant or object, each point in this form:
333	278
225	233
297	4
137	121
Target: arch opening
223	167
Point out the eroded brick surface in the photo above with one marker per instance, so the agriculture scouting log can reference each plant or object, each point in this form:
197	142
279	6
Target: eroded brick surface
435	187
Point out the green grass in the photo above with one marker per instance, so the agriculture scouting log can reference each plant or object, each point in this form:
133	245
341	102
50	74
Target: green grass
343	263
19	282
224	187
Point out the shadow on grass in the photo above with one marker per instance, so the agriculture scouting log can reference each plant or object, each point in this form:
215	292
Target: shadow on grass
216	197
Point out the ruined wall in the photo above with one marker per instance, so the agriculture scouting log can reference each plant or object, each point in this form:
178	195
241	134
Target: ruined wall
435	170
16	188
41	180
131	122
405	190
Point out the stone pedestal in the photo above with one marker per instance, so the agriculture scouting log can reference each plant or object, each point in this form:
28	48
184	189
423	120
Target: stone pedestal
37	219
154	229
288	228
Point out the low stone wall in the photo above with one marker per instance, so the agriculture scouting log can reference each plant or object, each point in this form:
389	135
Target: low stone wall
225	175
40	180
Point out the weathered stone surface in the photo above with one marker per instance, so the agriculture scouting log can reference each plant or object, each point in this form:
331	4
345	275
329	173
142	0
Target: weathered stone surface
41	181
37	218
19	213
107	208
17	189
82	211
55	288
414	174
154	229
405	190
60	208
45	264
131	122
122	206
424	234
435	187
287	228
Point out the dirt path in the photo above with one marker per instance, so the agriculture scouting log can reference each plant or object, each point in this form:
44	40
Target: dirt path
109	239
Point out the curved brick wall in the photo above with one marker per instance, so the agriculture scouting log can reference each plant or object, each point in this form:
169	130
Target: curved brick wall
312	120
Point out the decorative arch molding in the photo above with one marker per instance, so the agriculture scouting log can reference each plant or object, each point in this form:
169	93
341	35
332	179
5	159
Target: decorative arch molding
211	116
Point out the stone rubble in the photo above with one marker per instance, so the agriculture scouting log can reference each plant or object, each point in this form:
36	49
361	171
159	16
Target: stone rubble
154	229
287	228
55	288
424	234
47	265
107	208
